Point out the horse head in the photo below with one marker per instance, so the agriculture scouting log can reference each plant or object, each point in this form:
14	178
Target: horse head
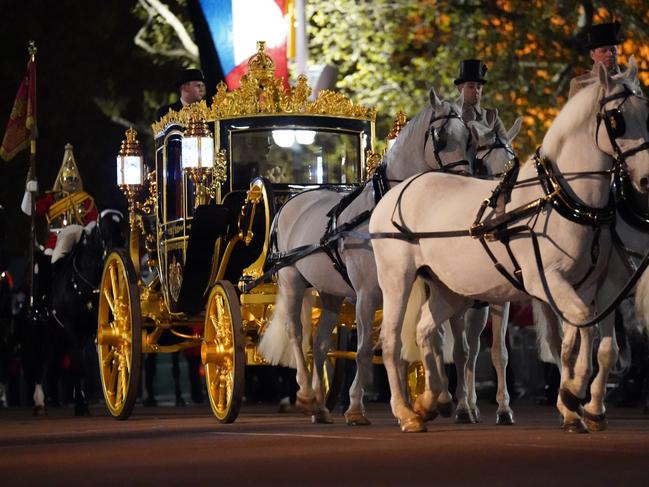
604	126
435	137
111	229
449	135
623	124
493	149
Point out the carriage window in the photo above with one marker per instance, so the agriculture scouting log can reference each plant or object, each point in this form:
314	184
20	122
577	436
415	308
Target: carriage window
295	156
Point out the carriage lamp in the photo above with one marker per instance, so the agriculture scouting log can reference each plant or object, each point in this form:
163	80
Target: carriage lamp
130	169
130	166
198	146
198	158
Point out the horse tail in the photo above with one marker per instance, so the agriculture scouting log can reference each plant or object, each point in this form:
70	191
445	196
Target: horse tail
547	328
642	300
417	298
274	345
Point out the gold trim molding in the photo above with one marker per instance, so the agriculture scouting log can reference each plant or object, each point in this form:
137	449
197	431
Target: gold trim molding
262	93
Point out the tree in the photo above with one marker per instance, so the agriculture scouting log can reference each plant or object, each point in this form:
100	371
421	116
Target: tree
389	53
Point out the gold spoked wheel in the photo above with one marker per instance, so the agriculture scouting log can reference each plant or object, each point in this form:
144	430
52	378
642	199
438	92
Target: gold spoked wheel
119	334
416	380
222	352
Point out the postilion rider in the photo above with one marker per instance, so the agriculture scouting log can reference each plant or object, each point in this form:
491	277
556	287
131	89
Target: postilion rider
470	83
68	209
601	41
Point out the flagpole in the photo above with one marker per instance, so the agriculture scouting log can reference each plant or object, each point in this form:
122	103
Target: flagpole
32	172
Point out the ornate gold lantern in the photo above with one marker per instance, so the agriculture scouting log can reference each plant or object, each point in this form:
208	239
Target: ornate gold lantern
198	158
130	167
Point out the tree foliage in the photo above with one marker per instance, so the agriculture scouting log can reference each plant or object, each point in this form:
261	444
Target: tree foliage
390	52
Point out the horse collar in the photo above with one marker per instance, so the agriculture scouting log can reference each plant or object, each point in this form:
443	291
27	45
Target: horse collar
567	206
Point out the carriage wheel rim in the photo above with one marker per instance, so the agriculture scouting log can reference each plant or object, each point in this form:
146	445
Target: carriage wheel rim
219	351
115	333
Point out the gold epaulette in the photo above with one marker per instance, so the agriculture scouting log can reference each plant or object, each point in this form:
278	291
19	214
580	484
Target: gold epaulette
69	202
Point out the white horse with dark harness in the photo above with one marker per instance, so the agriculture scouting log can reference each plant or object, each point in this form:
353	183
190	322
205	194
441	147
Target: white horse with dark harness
306	258
551	242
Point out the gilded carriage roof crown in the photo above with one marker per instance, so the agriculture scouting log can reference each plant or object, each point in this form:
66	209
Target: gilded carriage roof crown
262	93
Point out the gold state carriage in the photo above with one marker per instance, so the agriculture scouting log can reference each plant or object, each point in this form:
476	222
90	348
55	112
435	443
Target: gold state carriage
200	225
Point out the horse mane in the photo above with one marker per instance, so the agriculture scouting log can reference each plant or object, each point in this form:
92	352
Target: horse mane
571	116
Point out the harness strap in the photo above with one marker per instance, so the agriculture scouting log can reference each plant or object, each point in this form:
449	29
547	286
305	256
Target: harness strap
610	308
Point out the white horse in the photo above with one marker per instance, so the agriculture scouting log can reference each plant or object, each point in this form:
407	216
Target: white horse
633	229
437	135
467	327
551	253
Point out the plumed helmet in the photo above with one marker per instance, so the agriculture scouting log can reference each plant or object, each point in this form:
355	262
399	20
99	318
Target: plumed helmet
69	172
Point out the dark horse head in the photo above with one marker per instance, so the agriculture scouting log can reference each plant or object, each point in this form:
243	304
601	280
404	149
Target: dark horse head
76	277
75	283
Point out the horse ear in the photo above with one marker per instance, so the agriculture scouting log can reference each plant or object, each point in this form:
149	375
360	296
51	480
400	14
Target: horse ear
478	131
434	99
460	101
604	77
632	71
516	128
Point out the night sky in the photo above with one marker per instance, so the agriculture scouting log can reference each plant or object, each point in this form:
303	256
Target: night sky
85	52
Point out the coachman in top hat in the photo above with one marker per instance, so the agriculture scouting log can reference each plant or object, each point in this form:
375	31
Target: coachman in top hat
191	86
602	41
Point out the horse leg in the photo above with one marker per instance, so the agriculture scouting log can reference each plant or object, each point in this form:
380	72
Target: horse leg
395	298
575	373
475	322
499	358
75	348
460	357
330	308
292	287
367	301
607	353
445	400
427	404
436	398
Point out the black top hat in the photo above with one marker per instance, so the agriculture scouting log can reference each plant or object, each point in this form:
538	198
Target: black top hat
471	70
603	35
191	74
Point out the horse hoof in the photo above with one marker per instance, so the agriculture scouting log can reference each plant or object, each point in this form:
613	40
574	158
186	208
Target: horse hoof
356	419
413	425
595	422
475	416
307	406
425	414
39	411
505	418
575	426
445	409
322	417
463	416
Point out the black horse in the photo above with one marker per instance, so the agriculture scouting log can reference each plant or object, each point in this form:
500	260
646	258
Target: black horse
75	281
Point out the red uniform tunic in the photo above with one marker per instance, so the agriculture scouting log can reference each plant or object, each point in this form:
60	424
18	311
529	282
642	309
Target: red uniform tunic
78	208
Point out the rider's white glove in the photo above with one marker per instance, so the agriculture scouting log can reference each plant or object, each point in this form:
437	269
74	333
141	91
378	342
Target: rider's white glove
26	204
32	186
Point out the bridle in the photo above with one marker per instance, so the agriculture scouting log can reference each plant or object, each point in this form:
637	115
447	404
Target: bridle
439	138
616	126
479	166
